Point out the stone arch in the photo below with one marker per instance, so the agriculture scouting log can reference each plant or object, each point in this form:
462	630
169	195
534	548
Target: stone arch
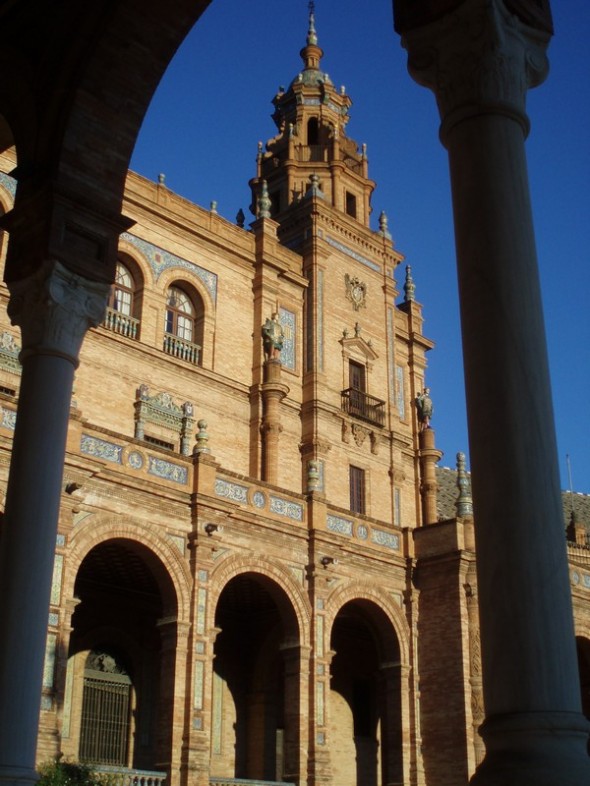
131	595
259	698
381	601
92	533
368	704
292	589
79	54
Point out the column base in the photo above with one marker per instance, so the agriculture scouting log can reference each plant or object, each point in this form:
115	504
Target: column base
540	748
17	776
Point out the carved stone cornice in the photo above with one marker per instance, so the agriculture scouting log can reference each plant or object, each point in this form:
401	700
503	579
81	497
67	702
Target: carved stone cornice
54	308
478	59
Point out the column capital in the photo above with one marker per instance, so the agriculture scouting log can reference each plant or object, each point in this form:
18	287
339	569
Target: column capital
479	59
54	308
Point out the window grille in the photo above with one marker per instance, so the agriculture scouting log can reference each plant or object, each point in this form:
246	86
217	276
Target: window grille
104	730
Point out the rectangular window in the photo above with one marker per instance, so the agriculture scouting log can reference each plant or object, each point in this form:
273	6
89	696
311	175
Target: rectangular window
357	489
351	204
356	376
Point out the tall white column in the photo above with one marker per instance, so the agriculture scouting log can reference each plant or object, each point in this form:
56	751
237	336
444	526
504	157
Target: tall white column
480	60
54	309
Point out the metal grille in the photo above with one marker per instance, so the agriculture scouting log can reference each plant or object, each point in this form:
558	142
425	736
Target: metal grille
104	729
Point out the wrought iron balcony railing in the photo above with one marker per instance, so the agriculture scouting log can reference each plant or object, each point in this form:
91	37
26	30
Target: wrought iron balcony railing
364	407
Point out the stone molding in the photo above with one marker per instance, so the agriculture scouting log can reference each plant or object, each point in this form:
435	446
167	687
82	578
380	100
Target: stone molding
479	59
54	308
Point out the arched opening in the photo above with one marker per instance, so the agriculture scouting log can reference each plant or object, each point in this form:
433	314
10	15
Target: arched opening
313	133
365	698
119	691
185	317
124	306
255	692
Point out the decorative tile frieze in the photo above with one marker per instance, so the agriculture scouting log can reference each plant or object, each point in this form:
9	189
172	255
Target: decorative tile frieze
351	253
160	260
388	539
201	610
101	449
178	541
390	355
135	460
199	680
60	539
49	664
53	619
232	491
58	565
258	499
9	353
283	507
362	531
8	418
8	183
400	397
287	320
168	470
340	525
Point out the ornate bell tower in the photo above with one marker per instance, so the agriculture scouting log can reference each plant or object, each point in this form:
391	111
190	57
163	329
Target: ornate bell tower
311	152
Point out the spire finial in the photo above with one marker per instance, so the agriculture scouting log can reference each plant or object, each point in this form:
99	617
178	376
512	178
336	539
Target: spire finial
409	286
264	203
383	230
312	37
464	503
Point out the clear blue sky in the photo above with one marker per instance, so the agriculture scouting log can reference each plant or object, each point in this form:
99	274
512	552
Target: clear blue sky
213	106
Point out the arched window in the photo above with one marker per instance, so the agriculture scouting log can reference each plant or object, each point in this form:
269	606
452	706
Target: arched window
182	321
121	298
180	314
120	316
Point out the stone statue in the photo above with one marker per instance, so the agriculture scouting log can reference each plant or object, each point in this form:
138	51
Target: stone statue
273	337
424	409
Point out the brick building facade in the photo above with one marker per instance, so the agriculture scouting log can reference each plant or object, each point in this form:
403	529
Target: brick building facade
255	577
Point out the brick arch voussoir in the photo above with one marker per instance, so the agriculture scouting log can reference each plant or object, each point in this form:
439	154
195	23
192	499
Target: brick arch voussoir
191	281
128	57
294	593
382	601
92	533
127	249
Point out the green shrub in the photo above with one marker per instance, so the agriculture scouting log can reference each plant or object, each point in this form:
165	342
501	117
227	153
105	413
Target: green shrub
67	773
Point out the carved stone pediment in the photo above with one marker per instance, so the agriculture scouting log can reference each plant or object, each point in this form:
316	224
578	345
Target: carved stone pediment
356	346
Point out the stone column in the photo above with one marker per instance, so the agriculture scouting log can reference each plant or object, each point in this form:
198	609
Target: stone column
54	308
479	60
429	456
273	392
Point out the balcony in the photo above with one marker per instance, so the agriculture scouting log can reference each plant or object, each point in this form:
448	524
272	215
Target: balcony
123	324
364	407
180	348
